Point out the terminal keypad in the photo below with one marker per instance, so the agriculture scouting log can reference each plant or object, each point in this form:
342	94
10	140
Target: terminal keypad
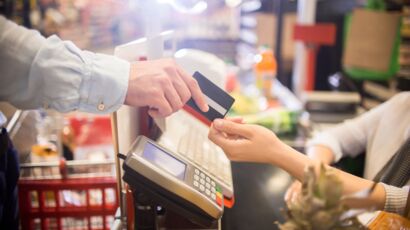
205	185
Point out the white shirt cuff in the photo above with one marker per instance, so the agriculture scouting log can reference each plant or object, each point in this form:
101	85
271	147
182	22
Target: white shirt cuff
105	87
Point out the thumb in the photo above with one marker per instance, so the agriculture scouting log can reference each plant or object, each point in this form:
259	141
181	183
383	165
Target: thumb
232	128
218	138
236	119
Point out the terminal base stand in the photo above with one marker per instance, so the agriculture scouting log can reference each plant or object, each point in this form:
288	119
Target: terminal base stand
171	220
149	215
145	212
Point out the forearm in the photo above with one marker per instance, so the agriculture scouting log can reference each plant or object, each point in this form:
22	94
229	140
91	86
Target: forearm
51	73
19	47
295	162
353	184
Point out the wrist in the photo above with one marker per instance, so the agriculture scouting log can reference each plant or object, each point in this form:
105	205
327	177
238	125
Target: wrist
290	160
278	152
131	77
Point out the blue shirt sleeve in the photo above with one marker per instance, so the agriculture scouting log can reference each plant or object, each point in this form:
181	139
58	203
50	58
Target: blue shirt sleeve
56	74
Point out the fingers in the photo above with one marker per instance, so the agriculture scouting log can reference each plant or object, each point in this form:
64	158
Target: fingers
232	147
238	120
292	193
178	83
174	90
288	194
160	108
182	90
196	92
163	86
173	97
232	128
218	137
294	197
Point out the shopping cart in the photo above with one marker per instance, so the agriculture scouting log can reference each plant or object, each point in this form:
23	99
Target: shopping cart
67	195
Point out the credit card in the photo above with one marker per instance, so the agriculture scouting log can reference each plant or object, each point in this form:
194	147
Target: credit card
218	100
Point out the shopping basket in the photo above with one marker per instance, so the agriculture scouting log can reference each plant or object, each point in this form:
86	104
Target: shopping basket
67	200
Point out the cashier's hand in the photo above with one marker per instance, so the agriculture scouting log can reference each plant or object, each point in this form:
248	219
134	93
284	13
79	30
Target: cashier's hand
244	142
163	86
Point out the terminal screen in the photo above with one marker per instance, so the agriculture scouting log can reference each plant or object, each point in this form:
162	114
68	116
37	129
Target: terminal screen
163	160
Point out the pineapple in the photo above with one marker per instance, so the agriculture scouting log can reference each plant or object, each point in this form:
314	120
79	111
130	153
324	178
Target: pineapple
319	205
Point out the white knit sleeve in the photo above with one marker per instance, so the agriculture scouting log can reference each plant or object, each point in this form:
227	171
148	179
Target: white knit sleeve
396	198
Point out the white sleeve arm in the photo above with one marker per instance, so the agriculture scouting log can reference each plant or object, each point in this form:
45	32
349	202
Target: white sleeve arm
56	74
349	138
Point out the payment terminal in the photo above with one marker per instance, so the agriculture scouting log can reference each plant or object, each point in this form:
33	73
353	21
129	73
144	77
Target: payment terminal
173	182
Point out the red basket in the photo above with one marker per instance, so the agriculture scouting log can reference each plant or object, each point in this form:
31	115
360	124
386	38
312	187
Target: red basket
52	211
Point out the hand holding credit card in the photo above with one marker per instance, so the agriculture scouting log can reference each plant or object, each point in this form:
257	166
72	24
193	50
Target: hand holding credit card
218	100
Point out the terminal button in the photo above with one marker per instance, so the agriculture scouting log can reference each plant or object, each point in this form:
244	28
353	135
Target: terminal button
207	185
219	199
213	196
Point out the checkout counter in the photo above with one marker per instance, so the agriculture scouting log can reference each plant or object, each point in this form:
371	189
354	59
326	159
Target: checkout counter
259	188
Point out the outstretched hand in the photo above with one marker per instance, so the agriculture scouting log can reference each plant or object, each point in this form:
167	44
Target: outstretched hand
163	86
245	142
